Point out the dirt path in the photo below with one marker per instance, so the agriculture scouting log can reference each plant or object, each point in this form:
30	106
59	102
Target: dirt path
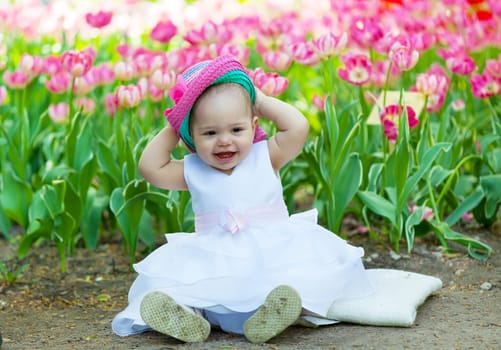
49	310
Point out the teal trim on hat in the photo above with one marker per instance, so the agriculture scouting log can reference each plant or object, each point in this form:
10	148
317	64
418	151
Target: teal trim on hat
234	76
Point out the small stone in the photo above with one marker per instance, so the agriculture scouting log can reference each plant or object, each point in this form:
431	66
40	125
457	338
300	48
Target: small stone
459	272
437	255
375	255
395	256
486	286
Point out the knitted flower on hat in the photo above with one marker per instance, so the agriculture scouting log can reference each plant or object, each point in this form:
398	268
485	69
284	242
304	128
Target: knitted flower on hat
194	81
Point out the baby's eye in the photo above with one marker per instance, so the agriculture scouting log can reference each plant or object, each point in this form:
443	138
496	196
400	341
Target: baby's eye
210	133
237	129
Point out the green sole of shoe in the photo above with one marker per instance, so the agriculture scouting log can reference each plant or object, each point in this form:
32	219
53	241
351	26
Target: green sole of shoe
160	312
281	309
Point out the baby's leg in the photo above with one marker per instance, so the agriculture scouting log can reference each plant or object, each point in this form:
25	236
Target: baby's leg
280	310
160	312
230	322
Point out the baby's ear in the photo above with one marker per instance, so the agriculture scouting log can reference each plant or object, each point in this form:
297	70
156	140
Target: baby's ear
254	122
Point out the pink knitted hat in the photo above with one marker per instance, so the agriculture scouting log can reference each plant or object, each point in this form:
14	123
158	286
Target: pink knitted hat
193	82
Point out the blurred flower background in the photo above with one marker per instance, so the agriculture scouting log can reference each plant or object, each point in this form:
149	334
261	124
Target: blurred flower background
402	97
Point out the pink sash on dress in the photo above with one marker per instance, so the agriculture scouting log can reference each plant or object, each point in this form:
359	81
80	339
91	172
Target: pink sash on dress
234	221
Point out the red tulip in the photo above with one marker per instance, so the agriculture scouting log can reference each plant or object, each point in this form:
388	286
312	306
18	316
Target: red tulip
390	118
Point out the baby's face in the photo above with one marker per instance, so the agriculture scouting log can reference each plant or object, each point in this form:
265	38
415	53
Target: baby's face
222	127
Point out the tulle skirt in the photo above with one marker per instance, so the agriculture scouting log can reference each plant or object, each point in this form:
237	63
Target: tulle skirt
214	268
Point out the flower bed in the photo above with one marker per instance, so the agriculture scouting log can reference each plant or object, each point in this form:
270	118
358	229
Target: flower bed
402	98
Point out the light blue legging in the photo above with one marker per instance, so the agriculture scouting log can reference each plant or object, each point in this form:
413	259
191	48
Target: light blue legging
232	322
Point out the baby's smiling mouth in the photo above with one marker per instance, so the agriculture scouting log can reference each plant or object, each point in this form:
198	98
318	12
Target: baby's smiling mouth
225	155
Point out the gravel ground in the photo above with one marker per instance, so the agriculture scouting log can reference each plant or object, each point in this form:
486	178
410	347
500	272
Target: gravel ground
46	309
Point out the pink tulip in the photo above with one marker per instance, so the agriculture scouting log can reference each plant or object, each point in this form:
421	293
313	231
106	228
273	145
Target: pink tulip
460	65
484	86
241	53
31	65
403	55
330	45
124	50
493	67
467	216
270	83
85	84
390	118
99	20
319	102
111	103
129	96
144	63
358	68
430	84
427	212
52	65
15	80
86	105
434	102
379	73
209	33
495	6
163	80
58	83
77	63
3	95
124	71
365	31
437	69
59	112
277	61
163	31
303	53
155	94
103	74
384	44
458	104
422	41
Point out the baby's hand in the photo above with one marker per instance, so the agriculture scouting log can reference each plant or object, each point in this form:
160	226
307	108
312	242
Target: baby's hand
257	103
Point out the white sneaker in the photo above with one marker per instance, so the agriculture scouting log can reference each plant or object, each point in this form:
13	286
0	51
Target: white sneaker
160	312
280	310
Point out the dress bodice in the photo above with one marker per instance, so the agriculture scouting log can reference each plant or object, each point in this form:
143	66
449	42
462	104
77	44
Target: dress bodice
252	184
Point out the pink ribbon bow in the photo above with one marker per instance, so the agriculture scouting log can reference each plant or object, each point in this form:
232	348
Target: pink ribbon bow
233	221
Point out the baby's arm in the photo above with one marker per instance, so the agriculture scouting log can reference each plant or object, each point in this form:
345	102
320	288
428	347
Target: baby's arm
292	128
156	164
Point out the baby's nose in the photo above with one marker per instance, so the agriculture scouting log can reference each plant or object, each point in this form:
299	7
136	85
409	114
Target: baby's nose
224	139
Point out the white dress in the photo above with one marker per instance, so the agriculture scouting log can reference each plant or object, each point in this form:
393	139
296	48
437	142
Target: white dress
245	244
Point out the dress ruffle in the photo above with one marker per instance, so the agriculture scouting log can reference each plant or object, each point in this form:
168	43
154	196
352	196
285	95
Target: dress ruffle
243	268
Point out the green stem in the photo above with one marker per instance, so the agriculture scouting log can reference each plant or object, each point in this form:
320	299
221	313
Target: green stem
385	161
70	99
496	129
386	83
118	134
432	200
450	180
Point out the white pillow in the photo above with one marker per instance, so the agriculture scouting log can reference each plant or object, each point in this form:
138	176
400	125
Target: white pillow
397	296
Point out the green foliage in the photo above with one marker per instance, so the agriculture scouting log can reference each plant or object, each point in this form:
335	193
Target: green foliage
11	275
336	171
